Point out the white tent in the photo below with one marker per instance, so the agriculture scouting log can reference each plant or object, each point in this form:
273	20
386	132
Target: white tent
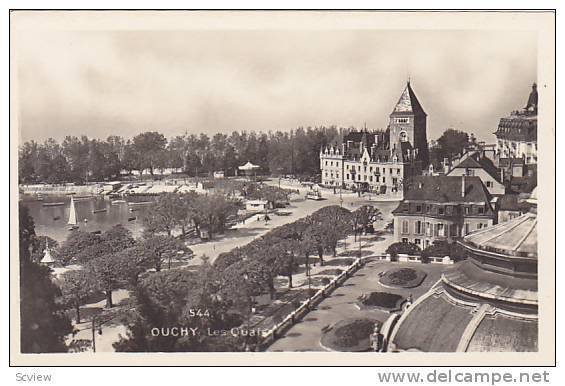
249	166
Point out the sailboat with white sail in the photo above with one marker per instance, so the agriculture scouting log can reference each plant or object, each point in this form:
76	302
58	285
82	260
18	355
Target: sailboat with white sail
73	220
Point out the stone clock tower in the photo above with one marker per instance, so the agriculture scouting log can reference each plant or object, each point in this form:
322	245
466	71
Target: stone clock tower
407	126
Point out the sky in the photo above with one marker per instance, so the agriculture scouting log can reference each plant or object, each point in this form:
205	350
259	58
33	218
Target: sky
107	82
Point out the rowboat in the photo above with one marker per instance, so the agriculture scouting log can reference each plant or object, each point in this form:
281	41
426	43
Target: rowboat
99	210
53	203
117	202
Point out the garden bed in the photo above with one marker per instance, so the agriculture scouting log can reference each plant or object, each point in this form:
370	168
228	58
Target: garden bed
349	335
381	300
402	278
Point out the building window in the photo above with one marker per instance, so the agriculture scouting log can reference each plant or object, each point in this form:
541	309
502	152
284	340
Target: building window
448	210
441	230
404	240
481	210
347	176
326	163
440	210
370	169
337	175
371	178
404	226
417	241
489	184
467	210
390	170
418	208
466	228
398	172
364	178
418	227
383	180
479	225
428	229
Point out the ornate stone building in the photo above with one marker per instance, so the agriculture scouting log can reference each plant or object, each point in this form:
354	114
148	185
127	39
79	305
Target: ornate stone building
380	161
517	134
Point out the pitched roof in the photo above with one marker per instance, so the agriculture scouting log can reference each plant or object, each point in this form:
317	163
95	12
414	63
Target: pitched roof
408	103
446	189
512	202
483	163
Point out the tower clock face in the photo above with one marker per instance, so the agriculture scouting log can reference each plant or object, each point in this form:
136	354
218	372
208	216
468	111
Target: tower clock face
403	136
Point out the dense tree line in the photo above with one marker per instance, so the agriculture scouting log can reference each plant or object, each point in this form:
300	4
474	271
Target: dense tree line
226	289
83	159
43	322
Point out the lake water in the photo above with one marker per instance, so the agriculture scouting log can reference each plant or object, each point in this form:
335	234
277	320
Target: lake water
52	220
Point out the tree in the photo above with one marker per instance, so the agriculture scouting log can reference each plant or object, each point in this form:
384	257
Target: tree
158	249
172	298
170	211
271	194
82	246
112	271
76	287
364	217
450	143
149	146
42	319
212	212
335	223
78	247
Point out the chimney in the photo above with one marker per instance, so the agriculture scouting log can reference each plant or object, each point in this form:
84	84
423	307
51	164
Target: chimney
463	186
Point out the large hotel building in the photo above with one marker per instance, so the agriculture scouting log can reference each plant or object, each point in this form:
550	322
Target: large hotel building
380	161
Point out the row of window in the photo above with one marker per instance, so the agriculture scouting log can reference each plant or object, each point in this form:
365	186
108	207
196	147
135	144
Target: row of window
437	229
447	210
332	163
371	169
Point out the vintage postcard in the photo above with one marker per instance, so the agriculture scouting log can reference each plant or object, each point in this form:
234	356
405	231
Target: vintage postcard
282	188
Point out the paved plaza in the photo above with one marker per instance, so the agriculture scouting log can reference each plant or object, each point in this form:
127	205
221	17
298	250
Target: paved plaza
306	334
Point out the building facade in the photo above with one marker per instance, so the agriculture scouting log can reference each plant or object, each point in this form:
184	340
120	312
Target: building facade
442	208
516	134
380	161
476	164
487	303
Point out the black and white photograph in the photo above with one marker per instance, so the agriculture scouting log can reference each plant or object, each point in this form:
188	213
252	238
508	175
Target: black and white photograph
329	184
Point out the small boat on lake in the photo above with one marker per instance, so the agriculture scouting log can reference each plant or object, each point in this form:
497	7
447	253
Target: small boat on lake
117	202
96	232
140	203
73	219
53	203
132	218
99	210
133	209
56	218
